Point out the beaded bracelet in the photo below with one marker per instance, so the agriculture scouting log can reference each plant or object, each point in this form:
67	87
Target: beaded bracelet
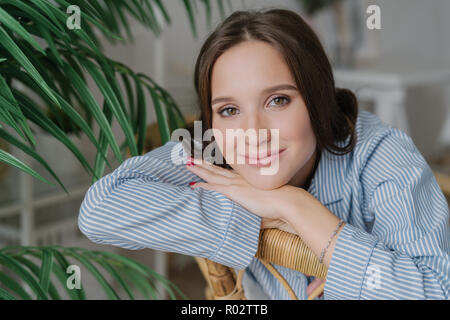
322	255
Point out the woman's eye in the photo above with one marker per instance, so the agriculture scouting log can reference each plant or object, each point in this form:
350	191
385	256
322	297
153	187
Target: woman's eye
279	101
231	111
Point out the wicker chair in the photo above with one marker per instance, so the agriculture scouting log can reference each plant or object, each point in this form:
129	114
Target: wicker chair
275	247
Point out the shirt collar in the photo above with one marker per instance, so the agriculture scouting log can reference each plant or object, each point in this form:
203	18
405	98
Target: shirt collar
328	181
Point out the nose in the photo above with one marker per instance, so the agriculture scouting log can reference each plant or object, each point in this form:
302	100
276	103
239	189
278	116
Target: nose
257	122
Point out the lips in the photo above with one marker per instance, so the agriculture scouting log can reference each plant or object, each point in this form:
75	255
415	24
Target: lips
263	161
262	157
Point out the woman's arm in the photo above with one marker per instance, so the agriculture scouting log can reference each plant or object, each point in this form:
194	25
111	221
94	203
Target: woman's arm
147	203
406	255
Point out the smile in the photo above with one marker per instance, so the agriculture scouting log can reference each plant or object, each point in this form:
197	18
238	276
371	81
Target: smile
262	161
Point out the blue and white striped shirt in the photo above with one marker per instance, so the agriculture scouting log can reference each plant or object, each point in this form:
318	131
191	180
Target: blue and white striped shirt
394	245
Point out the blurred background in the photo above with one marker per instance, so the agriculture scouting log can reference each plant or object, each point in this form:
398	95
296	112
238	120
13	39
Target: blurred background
401	72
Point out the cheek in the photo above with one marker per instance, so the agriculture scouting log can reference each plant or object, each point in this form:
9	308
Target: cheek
302	132
296	126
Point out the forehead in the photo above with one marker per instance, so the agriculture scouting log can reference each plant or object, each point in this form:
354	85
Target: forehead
250	64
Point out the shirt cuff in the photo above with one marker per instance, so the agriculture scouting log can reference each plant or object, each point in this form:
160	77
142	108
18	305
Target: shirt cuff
241	240
349	262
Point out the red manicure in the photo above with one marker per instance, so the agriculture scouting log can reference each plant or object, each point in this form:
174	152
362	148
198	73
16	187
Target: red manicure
190	161
192	183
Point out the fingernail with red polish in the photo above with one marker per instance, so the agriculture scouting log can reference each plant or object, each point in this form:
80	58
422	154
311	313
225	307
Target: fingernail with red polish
191	183
189	163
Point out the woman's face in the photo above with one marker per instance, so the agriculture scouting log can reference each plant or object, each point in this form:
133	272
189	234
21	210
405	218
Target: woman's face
242	76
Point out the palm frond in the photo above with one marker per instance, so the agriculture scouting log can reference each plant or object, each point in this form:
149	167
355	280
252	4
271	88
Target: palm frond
45	271
45	68
39	52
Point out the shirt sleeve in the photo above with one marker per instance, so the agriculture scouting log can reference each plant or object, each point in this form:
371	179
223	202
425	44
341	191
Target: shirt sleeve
147	203
406	253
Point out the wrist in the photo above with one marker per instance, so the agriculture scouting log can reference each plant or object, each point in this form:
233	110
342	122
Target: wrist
288	209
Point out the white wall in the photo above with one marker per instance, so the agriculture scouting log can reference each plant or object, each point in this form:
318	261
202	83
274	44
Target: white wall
418	31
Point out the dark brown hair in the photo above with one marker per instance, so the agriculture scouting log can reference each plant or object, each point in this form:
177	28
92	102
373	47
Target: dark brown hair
332	111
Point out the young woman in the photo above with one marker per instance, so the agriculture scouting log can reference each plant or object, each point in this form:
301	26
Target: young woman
267	70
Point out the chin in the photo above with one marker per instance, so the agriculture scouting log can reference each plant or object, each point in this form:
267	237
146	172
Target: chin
254	177
266	182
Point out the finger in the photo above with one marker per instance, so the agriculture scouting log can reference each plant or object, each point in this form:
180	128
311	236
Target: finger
268	219
208	175
313	285
210	186
212	167
269	224
265	225
203	185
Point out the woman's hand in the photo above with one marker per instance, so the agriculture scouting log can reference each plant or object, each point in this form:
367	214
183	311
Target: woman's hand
264	203
268	223
269	204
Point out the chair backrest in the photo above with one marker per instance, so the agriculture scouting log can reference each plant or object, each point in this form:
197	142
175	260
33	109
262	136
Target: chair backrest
275	247
444	182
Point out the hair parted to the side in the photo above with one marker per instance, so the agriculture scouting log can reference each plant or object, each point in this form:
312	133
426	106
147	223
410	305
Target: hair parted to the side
332	111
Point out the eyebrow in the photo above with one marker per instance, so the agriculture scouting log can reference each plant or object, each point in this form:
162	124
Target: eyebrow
265	91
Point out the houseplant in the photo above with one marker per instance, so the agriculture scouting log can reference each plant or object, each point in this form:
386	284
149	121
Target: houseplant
65	164
40	56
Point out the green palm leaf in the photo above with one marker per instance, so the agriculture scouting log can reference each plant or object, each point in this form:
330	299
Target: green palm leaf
131	275
46	269
66	56
7	137
17	268
16	27
5	295
13	161
62	265
14	286
110	292
113	103
8	43
33	267
36	83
